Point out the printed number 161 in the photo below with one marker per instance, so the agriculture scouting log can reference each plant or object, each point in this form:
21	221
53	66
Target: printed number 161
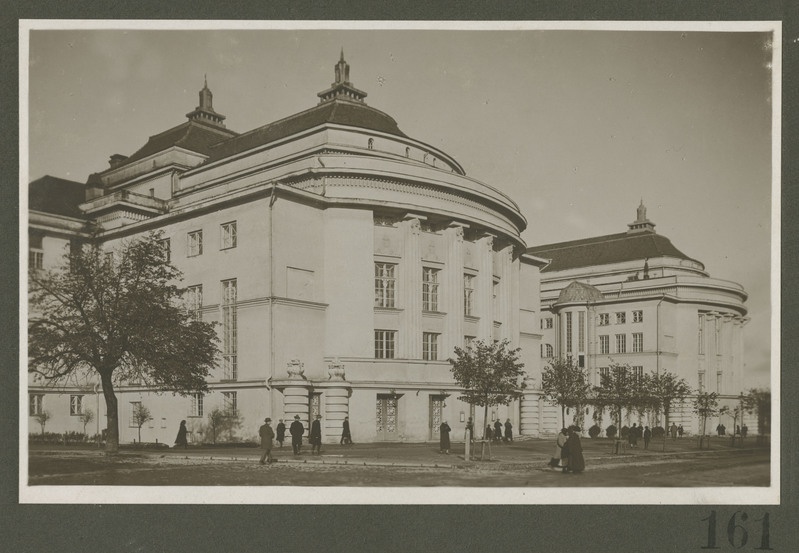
737	534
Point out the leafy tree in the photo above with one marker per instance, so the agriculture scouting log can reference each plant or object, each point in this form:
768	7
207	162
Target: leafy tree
619	390
42	419
758	400
489	373
706	406
664	390
218	422
564	383
121	319
141	414
86	417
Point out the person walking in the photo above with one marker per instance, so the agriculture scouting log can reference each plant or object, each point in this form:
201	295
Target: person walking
647	437
296	430
508	431
498	431
744	430
470	430
489	434
673	431
315	438
574	451
560	441
632	436
182	439
281	432
679	431
346	437
267	435
444	431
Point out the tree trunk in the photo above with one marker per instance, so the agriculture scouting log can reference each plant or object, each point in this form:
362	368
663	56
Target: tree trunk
485	421
563	416
112	434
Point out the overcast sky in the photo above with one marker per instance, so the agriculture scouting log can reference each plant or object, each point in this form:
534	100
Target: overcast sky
576	126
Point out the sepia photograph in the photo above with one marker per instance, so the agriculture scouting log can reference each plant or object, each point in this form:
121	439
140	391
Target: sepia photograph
399	263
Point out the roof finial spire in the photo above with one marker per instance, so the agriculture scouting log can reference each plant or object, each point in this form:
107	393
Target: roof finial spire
342	54
205	80
641	223
205	111
342	88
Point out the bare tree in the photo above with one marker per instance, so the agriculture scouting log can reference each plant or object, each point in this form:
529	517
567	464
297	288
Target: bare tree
42	419
86	417
141	415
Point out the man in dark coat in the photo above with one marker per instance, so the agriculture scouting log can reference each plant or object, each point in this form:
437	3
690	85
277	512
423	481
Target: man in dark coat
346	437
296	430
647	437
315	438
267	435
444	431
508	431
281	432
497	431
573	451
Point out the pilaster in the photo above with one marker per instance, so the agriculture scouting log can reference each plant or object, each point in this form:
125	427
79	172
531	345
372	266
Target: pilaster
484	290
410	283
453	291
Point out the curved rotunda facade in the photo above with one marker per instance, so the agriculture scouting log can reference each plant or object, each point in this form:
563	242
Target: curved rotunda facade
342	259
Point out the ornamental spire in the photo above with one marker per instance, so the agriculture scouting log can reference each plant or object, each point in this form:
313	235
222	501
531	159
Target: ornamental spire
205	111
641	223
342	88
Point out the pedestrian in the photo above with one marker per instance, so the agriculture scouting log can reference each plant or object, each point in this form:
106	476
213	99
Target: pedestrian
560	441
281	432
315	438
647	437
267	435
737	429
444	431
346	437
744	430
632	436
497	431
718	429
723	430
679	431
470	430
296	430
673	431
489	433
508	431
182	438
574	451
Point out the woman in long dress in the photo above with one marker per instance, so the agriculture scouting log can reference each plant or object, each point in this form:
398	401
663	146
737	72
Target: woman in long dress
575	451
444	431
560	440
182	439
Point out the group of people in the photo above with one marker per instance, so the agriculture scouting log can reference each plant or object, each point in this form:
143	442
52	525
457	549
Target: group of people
296	430
568	455
675	431
494	434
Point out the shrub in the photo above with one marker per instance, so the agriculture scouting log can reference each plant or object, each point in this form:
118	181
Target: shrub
594	431
611	431
658	432
625	431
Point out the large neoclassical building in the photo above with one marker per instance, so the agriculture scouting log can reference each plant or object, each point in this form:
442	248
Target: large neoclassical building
342	259
634	298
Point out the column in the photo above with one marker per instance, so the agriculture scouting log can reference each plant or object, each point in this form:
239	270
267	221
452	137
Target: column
296	395
453	291
410	290
484	288
337	402
505	299
530	420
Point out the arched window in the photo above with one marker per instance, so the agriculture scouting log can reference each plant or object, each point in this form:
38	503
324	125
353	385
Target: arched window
371	143
547	349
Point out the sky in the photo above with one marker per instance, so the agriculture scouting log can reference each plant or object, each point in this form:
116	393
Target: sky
576	126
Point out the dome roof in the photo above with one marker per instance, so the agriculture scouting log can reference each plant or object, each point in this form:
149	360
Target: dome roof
579	292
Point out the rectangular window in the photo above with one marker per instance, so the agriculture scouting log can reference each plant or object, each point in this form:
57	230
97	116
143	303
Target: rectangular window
229	330
604	344
468	294
638	373
494	296
717	331
467	340
194	243
35	259
429	289
109	259
701	334
701	381
429	346
35	404
194	301
196	408
228	235
546	323
621	343
638	316
230	403
385	284
548	351
604	372
166	249
568	332
384	344
75	405
719	382
134	407
621	318
604	319
638	342
581	331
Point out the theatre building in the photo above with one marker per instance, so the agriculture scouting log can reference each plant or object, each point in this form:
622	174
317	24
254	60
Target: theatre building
342	259
634	298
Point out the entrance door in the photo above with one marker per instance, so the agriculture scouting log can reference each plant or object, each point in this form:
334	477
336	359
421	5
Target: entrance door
386	416
436	408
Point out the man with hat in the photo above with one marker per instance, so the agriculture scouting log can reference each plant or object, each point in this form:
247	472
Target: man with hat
267	435
316	436
296	430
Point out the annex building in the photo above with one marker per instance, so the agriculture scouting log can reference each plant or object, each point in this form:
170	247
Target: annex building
343	261
633	298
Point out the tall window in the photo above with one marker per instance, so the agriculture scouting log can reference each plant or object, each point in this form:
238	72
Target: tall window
638	316
621	343
701	334
638	342
717	332
229	330
568	332
547	351
194	243
35	259
468	294
604	372
194	301
581	331
35	404
385	284
230	403
228	235
75	405
384	344
719	382
638	373
604	344
621	318
429	289
429	346
604	319
494	295
166	249
196	407
701	381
